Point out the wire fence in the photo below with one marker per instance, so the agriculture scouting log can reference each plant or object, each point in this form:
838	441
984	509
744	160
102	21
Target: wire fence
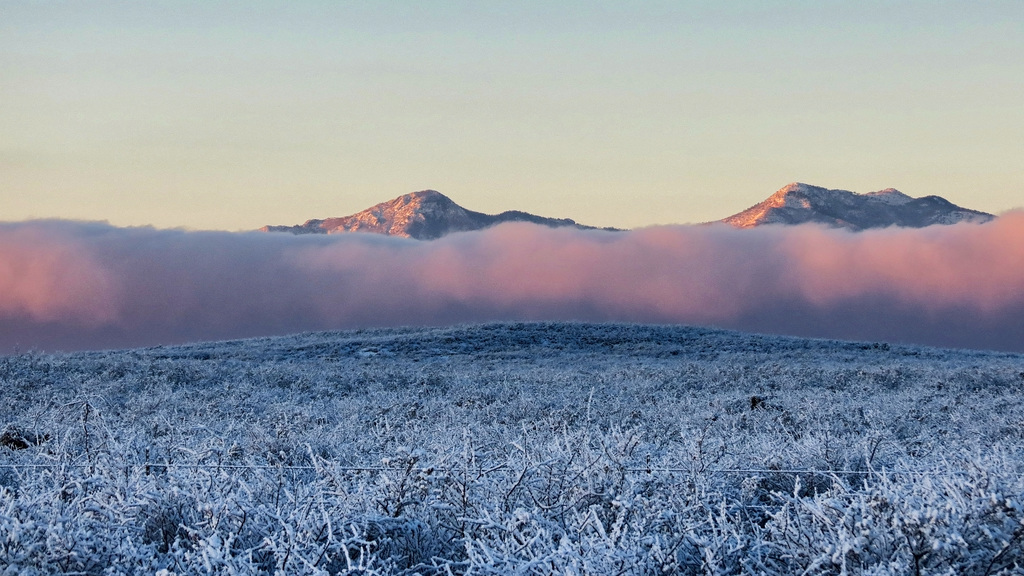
480	471
291	475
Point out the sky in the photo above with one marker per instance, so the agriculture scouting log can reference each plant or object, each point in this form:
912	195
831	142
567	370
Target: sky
233	115
141	143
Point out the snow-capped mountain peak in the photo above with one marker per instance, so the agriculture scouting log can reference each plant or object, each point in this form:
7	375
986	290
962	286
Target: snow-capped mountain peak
800	203
891	196
423	215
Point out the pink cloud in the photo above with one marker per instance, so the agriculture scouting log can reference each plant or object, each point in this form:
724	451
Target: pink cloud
966	265
68	285
47	275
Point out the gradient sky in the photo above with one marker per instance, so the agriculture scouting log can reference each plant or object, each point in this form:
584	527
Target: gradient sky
232	115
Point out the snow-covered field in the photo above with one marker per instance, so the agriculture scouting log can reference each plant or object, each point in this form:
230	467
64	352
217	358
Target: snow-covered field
514	449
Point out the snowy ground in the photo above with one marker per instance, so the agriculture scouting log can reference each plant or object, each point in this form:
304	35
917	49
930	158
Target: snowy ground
514	448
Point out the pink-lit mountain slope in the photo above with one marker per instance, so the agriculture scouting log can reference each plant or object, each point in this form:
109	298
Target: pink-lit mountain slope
424	215
799	203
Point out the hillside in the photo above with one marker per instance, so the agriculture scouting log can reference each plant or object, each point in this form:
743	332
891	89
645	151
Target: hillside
511	448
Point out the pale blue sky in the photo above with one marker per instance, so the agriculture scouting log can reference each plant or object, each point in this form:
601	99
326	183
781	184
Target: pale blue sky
233	115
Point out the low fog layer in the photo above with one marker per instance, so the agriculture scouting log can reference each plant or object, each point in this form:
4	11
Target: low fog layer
73	285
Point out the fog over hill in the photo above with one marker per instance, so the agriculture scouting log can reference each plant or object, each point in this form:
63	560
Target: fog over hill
73	285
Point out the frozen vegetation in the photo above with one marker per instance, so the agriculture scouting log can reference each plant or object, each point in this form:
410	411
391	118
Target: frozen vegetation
513	449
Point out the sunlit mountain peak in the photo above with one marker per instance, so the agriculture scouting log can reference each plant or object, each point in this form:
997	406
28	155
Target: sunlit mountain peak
423	215
799	203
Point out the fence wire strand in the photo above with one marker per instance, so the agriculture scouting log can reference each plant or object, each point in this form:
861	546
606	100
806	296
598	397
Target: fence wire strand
482	471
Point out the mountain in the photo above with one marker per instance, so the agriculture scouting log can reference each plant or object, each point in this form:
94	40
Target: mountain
424	215
800	203
428	214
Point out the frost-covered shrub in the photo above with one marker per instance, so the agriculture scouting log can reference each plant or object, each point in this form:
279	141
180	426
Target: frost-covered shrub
518	448
965	519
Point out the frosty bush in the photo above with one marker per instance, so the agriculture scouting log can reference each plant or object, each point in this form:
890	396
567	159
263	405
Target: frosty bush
965	519
513	449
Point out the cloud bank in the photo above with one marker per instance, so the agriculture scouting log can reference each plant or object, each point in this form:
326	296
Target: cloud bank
73	285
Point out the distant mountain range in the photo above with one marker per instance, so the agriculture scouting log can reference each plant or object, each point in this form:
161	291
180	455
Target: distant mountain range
424	215
428	214
799	203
